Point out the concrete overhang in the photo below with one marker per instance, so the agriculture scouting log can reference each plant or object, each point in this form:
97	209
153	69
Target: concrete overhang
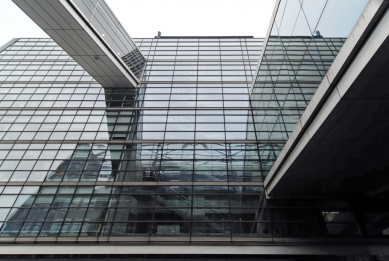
340	145
66	25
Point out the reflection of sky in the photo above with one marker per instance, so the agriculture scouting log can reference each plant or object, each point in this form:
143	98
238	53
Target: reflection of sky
201	124
189	125
333	18
340	25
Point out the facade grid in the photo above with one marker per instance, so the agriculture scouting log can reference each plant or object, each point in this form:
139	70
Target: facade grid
178	158
203	147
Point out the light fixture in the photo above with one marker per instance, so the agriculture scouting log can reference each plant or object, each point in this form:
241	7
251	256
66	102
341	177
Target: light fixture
102	34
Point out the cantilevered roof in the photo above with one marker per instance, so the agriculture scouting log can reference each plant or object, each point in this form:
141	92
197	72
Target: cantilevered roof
90	33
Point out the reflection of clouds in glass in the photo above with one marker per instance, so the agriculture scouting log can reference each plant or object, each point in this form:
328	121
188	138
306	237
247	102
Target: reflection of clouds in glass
334	22
331	18
302	45
312	12
180	127
301	27
285	20
184	135
151	135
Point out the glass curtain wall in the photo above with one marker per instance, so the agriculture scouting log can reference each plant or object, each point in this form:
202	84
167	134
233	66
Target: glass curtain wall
168	159
175	160
304	40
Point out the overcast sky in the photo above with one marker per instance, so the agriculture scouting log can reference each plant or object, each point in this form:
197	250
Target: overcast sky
172	17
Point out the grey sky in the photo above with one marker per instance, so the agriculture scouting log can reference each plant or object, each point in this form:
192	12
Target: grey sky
171	17
14	23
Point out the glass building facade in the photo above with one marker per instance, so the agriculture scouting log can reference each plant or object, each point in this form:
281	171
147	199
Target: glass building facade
301	46
107	27
169	159
181	158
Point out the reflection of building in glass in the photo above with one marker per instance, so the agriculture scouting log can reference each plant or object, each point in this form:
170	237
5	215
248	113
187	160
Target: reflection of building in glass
88	162
192	164
190	155
135	61
131	145
291	70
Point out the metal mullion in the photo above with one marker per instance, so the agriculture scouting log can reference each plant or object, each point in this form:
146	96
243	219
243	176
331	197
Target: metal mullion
13	206
227	151
300	64
83	129
52	159
294	72
225	145
114	124
279	107
196	121
116	207
87	209
83	168
21	161
196	112
223	100
65	215
42	222
251	110
191	221
67	211
170	97
163	141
